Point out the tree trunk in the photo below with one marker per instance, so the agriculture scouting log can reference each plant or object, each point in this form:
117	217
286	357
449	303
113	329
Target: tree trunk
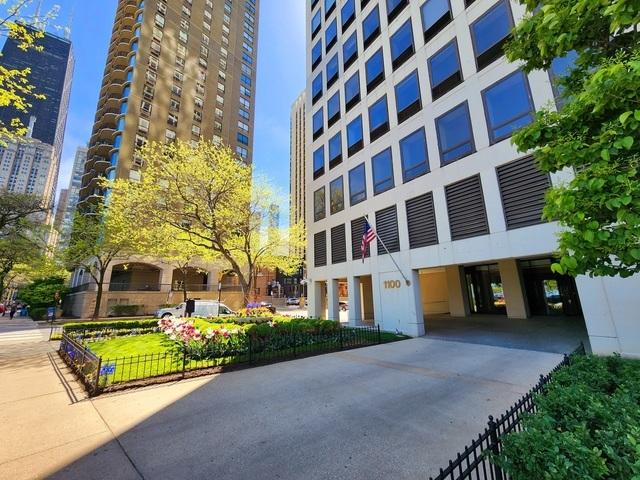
96	310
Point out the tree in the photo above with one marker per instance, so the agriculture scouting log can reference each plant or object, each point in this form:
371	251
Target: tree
208	199
19	211
15	89
596	133
97	240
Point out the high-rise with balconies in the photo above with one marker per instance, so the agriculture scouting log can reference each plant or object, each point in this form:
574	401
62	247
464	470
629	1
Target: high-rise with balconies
176	69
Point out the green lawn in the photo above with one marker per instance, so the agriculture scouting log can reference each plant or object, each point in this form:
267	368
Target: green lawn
133	345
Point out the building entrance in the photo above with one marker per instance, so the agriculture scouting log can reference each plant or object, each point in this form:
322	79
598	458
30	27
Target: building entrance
484	289
549	293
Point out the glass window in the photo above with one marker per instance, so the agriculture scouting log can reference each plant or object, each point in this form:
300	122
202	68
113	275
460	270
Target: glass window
408	100
378	119
382	165
352	91
560	68
331	35
357	185
508	106
394	7
333	108
332	70
318	123
455	135
329	5
316	54
318	162
402	44
336	192
490	32
316	22
319	204
348	13
444	70
316	88
435	15
415	159
354	136
350	50
371	27
375	70
335	150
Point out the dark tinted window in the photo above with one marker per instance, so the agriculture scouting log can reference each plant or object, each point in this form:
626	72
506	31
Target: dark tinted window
350	50
318	124
394	7
378	119
329	5
508	106
331	35
402	44
408	99
332	70
316	88
318	162
357	185
444	70
560	68
319	204
335	150
490	32
316	54
382	165
455	136
333	108
375	70
435	15
348	13
352	91
336	193
354	135
316	22
415	159
371	27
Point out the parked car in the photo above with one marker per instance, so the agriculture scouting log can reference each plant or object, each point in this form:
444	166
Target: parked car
293	301
204	308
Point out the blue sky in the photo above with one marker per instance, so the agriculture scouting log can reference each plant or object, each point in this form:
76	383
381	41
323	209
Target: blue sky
281	78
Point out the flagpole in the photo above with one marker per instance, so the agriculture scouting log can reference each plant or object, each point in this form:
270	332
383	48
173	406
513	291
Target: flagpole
388	252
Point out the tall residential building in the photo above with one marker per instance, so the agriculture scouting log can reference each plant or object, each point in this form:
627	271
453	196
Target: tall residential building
73	194
61	208
175	70
297	161
411	106
51	74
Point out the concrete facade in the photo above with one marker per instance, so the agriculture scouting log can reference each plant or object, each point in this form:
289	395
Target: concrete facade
462	258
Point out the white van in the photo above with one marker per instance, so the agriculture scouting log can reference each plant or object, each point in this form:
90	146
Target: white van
203	308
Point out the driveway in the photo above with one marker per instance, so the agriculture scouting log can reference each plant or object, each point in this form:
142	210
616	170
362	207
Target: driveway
392	411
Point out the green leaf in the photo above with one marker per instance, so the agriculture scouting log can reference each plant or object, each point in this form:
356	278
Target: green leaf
635	253
623	118
636	115
627	142
589	236
604	153
557	268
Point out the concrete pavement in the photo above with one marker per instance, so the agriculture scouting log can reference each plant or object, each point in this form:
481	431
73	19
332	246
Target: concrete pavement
391	411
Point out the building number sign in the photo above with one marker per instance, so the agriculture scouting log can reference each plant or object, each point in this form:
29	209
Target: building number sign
392	284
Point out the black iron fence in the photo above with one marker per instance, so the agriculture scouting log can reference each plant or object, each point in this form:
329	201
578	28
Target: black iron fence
238	351
473	462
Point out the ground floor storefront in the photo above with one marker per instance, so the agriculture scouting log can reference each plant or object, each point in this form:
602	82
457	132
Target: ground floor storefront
516	302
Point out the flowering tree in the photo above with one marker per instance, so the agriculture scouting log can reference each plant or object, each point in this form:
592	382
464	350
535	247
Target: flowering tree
206	198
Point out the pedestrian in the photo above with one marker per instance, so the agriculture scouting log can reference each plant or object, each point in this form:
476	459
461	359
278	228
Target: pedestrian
189	307
13	310
3	308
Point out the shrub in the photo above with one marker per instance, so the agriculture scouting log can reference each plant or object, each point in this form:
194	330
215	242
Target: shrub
587	425
255	312
38	313
125	310
41	293
116	325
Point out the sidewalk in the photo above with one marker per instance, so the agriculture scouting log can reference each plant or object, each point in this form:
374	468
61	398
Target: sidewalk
46	422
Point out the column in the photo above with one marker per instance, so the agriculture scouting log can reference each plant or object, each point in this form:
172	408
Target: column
513	292
458	301
315	300
333	298
166	278
355	301
415	327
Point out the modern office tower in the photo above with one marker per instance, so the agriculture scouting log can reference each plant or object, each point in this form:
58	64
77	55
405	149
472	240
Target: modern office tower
51	74
73	194
61	209
411	106
297	161
175	70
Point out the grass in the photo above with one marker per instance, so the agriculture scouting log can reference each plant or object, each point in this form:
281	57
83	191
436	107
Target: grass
132	345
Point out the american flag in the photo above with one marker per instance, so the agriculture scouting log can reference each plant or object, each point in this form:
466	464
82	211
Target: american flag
367	237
